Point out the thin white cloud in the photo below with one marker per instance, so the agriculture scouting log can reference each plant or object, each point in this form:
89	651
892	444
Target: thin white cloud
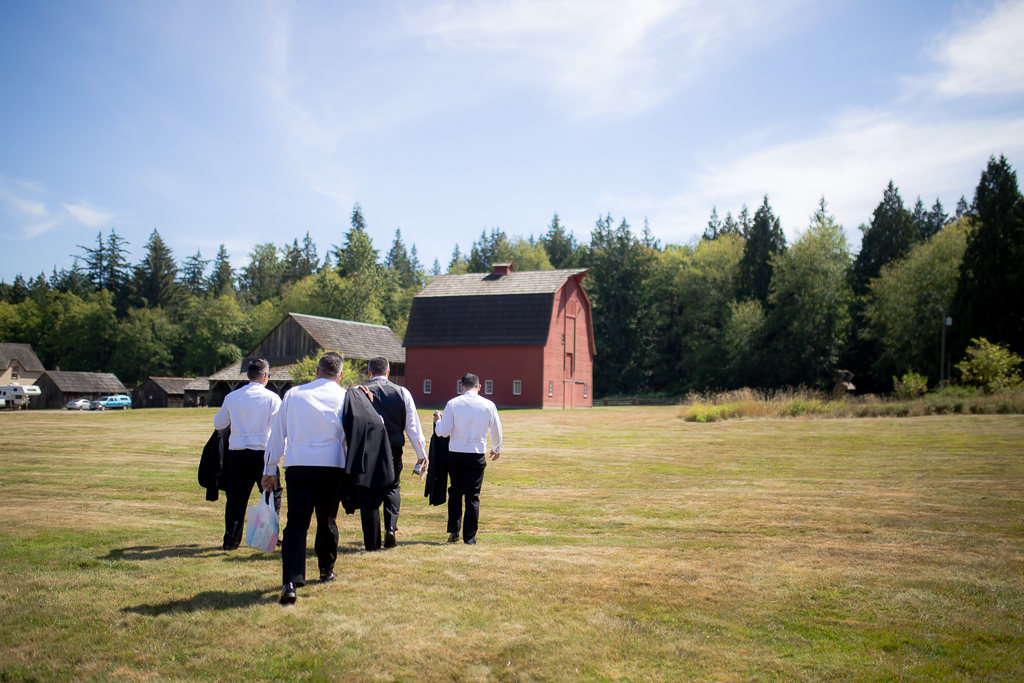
34	230
984	55
849	163
29	216
600	57
88	215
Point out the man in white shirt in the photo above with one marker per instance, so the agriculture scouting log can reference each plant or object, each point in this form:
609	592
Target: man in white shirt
395	405
307	432
466	420
248	411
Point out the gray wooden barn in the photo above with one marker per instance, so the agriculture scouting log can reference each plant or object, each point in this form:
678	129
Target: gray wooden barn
60	386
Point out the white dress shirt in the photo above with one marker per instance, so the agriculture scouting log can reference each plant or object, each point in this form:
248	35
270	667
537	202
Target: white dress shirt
307	429
412	421
249	412
466	419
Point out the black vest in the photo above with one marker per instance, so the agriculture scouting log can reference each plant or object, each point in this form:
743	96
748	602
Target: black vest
390	405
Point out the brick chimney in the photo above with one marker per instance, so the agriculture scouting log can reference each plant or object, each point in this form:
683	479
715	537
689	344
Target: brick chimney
501	268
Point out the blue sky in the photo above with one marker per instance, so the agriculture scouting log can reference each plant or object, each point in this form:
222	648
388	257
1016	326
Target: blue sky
250	122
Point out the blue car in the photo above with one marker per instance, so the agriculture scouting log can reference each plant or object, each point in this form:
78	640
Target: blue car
111	402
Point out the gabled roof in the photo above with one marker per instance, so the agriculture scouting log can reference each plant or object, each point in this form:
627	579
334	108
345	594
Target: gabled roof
233	373
361	341
198	384
22	353
86	382
486	309
489	284
172	385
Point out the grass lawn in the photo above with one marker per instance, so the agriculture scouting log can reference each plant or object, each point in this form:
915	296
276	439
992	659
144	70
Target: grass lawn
615	544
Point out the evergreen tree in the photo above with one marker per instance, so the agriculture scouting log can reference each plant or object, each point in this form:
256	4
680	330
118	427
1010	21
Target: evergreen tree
435	269
561	245
458	264
358	222
155	280
891	234
743	220
991	286
357	265
193	274
398	264
937	219
419	278
764	239
19	290
96	262
222	279
118	272
730	226
714	228
491	249
962	209
261	278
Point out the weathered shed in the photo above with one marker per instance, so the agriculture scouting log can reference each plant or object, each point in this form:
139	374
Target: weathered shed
529	336
161	392
299	336
197	392
19	363
60	386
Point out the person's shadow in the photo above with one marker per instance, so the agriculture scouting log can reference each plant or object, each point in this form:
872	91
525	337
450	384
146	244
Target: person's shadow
208	600
153	552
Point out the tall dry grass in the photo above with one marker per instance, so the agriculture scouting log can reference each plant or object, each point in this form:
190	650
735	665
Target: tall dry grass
803	402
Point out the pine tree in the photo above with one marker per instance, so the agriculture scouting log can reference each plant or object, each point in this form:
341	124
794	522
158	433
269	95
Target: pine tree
891	234
714	226
96	262
436	269
962	209
764	239
299	261
222	279
491	249
118	271
261	277
730	226
991	286
193	274
560	245
155	280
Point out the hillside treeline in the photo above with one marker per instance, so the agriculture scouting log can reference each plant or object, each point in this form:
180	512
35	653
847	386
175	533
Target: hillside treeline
740	307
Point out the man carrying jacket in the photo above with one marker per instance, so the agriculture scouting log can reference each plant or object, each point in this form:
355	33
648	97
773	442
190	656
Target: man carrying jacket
395	405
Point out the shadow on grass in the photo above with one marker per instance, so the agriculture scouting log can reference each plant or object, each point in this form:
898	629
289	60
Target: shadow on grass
209	600
153	552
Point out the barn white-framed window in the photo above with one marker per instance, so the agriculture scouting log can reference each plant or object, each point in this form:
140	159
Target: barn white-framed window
517	387
584	390
426	386
15	371
488	386
551	388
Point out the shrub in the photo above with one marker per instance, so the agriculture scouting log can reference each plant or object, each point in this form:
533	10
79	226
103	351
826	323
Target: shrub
910	386
990	366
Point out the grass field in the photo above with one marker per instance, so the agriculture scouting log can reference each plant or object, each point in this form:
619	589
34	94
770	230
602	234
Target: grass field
615	544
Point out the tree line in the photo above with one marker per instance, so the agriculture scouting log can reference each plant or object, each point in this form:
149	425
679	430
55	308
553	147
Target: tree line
739	307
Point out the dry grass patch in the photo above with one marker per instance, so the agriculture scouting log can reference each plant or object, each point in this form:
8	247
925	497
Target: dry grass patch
616	544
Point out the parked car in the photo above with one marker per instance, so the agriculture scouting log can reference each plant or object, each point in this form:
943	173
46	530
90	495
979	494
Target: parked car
79	404
110	402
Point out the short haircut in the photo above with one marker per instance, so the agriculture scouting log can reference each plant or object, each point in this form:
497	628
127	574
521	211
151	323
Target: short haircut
330	364
470	381
258	368
378	366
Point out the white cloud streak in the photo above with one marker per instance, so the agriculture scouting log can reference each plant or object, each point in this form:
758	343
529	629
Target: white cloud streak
984	55
88	215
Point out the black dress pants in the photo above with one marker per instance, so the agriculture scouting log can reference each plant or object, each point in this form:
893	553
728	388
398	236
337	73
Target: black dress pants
369	514
393	494
310	489
244	470
466	472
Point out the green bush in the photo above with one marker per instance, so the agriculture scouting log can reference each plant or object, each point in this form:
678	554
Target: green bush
910	386
990	366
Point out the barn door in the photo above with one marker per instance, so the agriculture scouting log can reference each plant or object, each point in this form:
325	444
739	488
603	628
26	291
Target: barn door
569	364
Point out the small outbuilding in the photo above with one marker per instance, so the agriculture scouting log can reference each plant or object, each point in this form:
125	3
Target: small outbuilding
161	392
299	336
19	363
60	386
529	336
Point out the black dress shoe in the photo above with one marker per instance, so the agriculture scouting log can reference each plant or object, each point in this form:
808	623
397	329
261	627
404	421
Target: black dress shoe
326	577
471	541
453	538
288	596
389	540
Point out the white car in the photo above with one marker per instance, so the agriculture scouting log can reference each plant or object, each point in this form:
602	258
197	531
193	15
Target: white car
78	404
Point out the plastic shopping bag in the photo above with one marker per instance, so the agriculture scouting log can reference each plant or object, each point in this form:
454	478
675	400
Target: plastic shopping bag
261	525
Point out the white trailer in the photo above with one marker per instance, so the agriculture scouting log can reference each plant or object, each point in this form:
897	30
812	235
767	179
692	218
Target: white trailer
15	395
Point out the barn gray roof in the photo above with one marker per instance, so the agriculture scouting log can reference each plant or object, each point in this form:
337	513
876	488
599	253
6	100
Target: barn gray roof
86	382
198	384
22	353
233	373
479	309
172	385
361	341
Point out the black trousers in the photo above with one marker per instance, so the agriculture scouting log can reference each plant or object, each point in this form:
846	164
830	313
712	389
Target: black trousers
369	515
393	494
466	472
244	470
310	489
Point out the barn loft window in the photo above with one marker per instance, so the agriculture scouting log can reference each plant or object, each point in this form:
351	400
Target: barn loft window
15	371
426	386
488	386
517	386
551	388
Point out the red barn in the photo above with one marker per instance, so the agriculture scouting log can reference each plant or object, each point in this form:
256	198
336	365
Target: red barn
529	336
